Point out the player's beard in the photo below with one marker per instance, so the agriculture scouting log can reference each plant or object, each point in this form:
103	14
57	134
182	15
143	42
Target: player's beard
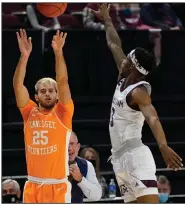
48	105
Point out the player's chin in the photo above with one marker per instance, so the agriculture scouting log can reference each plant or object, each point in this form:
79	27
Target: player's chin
48	105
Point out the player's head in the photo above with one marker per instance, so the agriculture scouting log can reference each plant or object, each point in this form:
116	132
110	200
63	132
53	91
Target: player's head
46	92
139	61
74	147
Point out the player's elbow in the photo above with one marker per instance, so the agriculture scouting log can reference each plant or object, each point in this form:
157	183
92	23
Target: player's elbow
152	120
62	79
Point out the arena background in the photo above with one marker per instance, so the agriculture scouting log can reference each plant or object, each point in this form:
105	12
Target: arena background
92	78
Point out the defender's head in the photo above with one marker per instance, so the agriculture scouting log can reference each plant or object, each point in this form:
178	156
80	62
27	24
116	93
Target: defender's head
139	61
46	92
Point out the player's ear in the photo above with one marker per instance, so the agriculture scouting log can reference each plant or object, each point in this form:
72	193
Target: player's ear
36	97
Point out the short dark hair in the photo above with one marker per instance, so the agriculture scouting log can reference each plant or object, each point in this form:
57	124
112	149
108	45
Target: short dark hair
146	59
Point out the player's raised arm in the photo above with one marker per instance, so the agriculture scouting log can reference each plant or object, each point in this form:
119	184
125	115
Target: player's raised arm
113	39
143	100
58	42
25	46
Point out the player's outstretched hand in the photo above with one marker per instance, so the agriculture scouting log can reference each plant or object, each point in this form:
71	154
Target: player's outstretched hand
58	42
25	44
171	158
103	11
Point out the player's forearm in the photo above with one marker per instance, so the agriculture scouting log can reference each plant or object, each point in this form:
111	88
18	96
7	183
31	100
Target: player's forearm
158	131
20	71
114	43
111	33
60	68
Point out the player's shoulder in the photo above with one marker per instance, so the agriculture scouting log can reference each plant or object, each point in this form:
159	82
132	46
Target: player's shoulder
28	106
140	94
61	104
140	90
143	87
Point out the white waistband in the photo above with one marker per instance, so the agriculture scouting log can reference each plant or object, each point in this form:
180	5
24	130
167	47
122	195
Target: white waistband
126	146
38	180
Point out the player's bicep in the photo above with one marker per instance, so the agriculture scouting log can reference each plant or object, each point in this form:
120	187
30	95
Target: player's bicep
148	111
21	95
64	93
141	98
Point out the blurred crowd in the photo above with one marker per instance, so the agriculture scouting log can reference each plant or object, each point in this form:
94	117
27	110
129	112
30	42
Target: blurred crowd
79	15
125	16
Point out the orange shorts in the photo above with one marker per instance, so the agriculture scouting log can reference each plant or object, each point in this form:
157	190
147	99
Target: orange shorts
47	193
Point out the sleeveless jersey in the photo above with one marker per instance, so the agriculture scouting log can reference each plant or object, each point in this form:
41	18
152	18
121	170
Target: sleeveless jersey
125	123
46	137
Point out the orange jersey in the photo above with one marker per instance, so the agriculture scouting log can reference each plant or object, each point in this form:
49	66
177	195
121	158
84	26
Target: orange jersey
46	137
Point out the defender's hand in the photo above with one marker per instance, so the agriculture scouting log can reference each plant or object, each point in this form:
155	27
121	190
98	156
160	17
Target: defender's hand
58	42
171	158
75	172
25	44
103	11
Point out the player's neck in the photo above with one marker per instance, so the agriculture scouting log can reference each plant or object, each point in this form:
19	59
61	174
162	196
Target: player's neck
45	110
134	78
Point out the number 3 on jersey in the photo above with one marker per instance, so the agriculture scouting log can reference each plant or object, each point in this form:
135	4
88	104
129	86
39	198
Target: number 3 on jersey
39	137
112	114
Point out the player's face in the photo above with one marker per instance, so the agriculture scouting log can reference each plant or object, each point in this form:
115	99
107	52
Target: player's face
47	95
73	148
126	65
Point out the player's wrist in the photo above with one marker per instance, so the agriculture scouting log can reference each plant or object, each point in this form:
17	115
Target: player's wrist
25	56
107	18
162	146
58	53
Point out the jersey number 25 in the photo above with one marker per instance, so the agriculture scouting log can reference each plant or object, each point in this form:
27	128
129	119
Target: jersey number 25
39	137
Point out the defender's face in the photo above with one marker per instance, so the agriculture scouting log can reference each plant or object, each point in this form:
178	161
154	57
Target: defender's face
126	66
47	95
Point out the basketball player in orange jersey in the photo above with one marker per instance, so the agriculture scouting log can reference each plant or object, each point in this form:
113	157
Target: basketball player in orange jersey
47	126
